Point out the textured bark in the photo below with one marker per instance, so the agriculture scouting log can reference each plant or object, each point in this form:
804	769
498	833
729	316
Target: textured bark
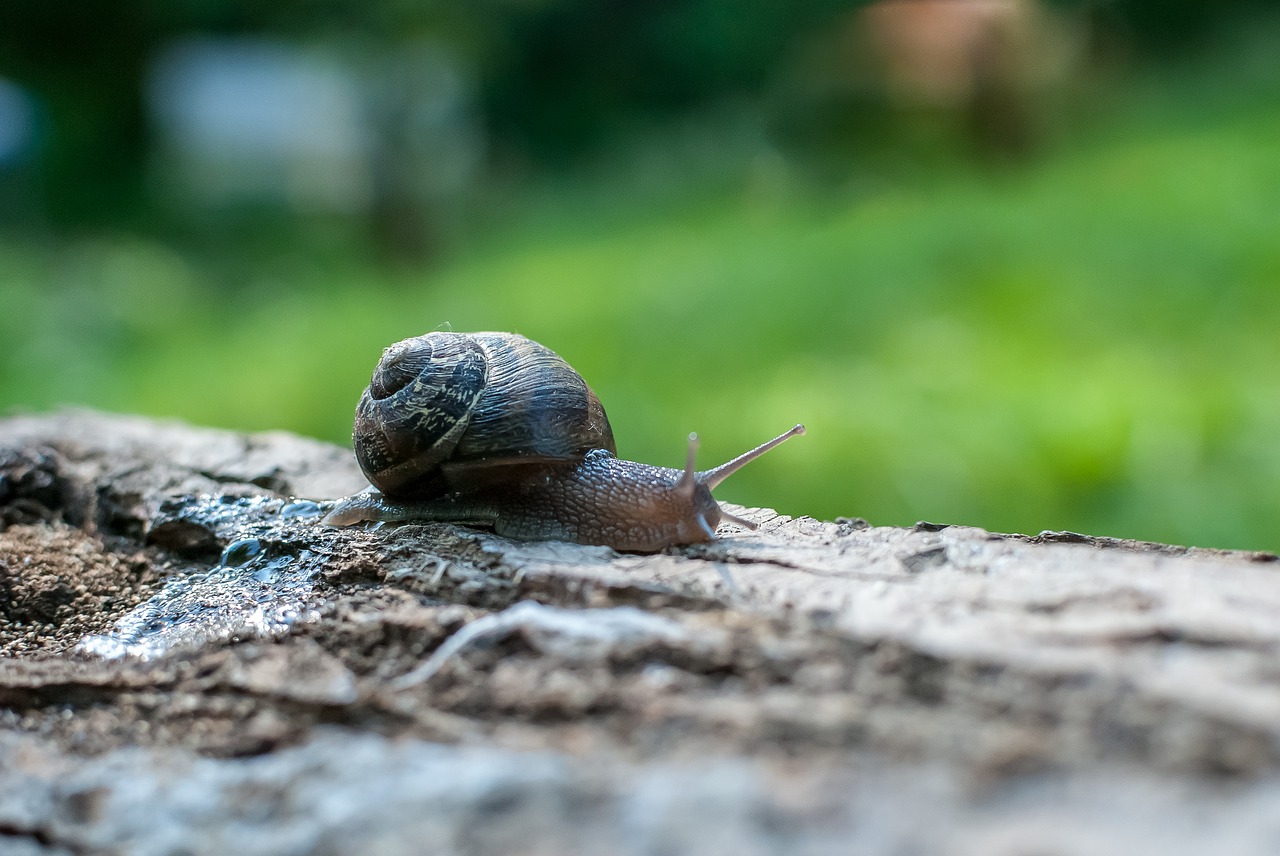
193	664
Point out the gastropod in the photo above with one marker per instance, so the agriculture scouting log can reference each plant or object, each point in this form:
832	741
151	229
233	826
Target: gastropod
496	430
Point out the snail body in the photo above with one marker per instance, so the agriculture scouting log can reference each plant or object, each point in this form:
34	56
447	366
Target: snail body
496	430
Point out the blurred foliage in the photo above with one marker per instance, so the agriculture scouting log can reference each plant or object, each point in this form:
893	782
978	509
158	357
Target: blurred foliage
554	74
1082	341
558	78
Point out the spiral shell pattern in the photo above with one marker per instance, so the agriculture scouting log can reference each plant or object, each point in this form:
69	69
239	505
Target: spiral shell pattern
447	412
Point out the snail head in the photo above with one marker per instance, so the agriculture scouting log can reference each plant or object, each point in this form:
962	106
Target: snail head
695	487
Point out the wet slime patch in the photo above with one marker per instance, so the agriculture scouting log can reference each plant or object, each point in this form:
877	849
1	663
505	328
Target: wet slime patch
259	588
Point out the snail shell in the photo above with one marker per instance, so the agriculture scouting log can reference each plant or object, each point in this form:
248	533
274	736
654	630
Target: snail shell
458	411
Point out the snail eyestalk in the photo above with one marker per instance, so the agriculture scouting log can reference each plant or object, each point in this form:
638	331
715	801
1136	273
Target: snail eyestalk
713	478
689	478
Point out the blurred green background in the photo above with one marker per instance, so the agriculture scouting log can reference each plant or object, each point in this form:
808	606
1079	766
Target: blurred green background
1015	264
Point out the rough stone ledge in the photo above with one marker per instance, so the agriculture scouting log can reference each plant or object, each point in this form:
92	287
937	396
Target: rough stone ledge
808	688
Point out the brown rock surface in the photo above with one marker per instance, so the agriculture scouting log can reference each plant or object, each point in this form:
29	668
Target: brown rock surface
190	663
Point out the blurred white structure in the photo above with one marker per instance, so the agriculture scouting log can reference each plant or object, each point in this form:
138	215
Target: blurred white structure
252	121
391	136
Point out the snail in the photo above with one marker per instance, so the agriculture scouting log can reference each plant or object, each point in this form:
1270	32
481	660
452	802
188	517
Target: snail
496	430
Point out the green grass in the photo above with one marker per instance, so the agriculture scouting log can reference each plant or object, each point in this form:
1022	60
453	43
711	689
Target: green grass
1089	343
